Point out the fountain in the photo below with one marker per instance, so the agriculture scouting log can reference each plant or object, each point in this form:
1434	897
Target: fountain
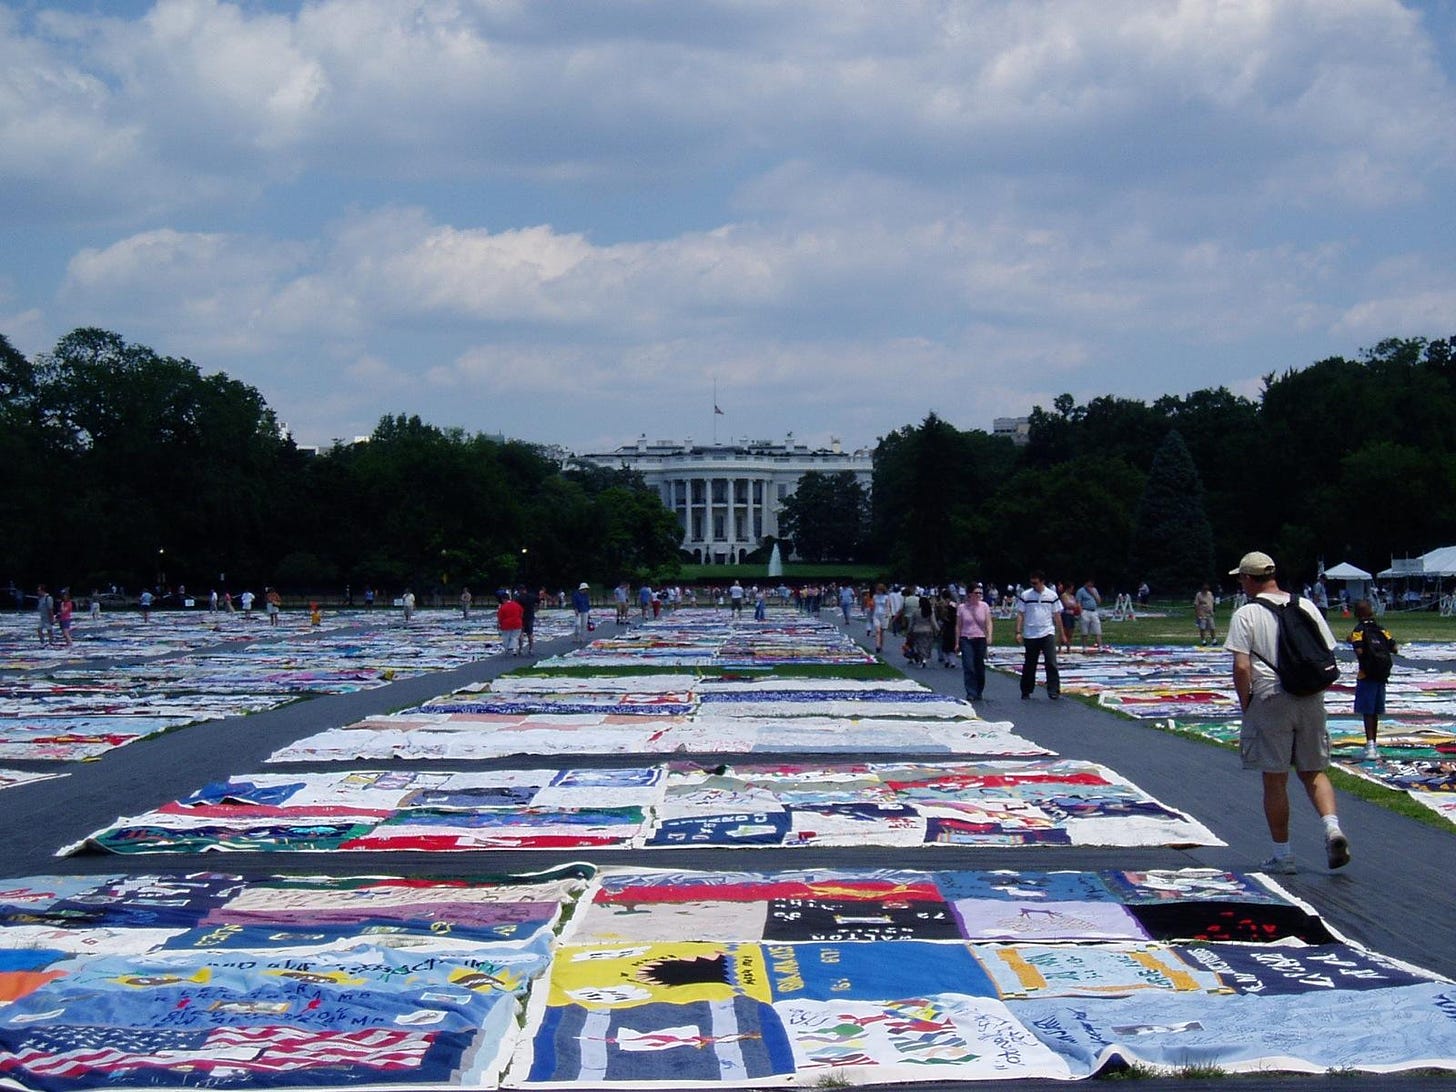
775	562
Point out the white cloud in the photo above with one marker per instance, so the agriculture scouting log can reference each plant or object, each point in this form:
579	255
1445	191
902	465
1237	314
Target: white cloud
604	314
1425	313
211	290
370	203
233	96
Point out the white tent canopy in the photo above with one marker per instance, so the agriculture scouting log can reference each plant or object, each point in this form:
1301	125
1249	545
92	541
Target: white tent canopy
1345	571
1441	562
1437	562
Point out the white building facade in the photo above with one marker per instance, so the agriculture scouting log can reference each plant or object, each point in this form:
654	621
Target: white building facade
727	496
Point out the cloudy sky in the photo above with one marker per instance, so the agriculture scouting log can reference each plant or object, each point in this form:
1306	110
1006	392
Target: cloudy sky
567	221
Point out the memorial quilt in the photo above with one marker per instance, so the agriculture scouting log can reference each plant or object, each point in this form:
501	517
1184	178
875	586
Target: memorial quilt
149	913
687	979
642	905
792	981
81	712
463	736
397	810
213	980
993	802
710	639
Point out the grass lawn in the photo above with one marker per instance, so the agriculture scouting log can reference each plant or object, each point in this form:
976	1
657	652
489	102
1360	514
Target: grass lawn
793	570
1171	623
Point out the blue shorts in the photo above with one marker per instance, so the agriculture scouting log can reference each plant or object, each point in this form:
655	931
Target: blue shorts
1369	696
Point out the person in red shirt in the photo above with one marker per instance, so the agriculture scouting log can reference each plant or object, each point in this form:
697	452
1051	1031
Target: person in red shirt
510	618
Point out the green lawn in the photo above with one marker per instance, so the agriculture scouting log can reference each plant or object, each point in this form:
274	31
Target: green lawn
793	571
1172	623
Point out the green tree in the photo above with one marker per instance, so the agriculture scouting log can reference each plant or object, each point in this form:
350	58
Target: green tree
1172	543
1381	503
427	507
826	516
639	538
1072	520
167	468
931	485
1106	426
30	462
1220	429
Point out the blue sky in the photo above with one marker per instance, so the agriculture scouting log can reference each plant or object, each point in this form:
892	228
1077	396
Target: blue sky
567	221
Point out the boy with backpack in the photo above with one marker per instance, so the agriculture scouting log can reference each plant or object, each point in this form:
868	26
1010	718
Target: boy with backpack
1283	659
1374	648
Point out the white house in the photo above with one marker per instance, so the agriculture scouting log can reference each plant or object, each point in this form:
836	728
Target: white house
727	496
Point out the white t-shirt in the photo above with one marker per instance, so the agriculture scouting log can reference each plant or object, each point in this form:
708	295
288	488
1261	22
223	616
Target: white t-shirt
1255	630
1037	612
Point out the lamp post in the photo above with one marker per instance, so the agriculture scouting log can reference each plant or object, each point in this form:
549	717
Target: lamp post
161	568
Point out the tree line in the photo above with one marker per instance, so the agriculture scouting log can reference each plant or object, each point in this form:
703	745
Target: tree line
131	468
1342	460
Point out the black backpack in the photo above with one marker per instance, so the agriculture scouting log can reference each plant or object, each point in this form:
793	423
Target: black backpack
1376	650
1304	663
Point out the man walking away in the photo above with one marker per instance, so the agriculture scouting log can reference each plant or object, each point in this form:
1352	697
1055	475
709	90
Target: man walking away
1280	728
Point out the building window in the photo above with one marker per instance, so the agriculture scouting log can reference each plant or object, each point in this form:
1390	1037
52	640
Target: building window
720	525
698	493
720	491
783	491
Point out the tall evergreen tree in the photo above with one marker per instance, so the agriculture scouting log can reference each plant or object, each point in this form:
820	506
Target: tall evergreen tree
1172	543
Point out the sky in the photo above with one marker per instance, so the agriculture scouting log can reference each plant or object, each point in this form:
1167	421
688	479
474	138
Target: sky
574	222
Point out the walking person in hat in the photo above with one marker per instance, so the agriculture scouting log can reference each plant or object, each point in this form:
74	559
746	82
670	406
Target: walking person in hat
1280	729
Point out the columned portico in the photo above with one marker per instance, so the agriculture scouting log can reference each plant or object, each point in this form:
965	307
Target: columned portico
727	497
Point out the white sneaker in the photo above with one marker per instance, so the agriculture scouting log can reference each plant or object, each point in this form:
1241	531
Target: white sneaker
1279	866
1337	850
1372	752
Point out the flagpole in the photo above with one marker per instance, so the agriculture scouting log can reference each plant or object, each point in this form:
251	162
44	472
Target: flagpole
715	411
